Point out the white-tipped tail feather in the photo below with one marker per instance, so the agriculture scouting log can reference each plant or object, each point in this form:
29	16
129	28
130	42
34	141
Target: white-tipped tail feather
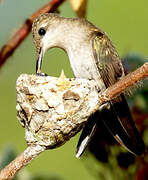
82	147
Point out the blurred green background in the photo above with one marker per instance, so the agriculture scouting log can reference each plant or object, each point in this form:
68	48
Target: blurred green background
126	23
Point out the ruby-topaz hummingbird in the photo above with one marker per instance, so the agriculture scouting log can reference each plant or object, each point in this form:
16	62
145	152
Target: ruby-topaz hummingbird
92	56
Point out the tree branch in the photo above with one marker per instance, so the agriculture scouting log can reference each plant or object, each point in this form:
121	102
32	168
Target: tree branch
52	110
8	49
125	83
19	162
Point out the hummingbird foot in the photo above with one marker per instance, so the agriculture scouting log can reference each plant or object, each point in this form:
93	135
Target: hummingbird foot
41	74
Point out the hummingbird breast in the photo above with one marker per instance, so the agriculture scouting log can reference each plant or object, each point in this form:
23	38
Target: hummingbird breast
83	63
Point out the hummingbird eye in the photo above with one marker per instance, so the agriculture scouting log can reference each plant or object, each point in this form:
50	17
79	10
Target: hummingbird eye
42	31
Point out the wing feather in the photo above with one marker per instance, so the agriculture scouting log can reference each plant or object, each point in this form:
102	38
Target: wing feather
107	59
111	70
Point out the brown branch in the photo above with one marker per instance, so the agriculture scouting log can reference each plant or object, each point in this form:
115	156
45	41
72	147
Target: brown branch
71	101
8	49
122	85
19	162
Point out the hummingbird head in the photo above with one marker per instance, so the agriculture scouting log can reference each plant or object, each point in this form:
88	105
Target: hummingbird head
44	30
50	30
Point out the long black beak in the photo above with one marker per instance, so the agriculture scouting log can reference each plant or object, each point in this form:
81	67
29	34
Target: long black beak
39	62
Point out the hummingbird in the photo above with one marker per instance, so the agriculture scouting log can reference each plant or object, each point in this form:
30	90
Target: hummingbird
92	56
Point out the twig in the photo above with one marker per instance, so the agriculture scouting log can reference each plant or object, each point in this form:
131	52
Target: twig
52	110
124	84
22	160
8	49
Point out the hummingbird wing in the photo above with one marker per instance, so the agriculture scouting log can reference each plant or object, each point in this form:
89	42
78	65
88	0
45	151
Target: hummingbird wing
117	118
122	127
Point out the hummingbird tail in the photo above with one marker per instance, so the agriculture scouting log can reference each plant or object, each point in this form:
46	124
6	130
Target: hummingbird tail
86	135
119	122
